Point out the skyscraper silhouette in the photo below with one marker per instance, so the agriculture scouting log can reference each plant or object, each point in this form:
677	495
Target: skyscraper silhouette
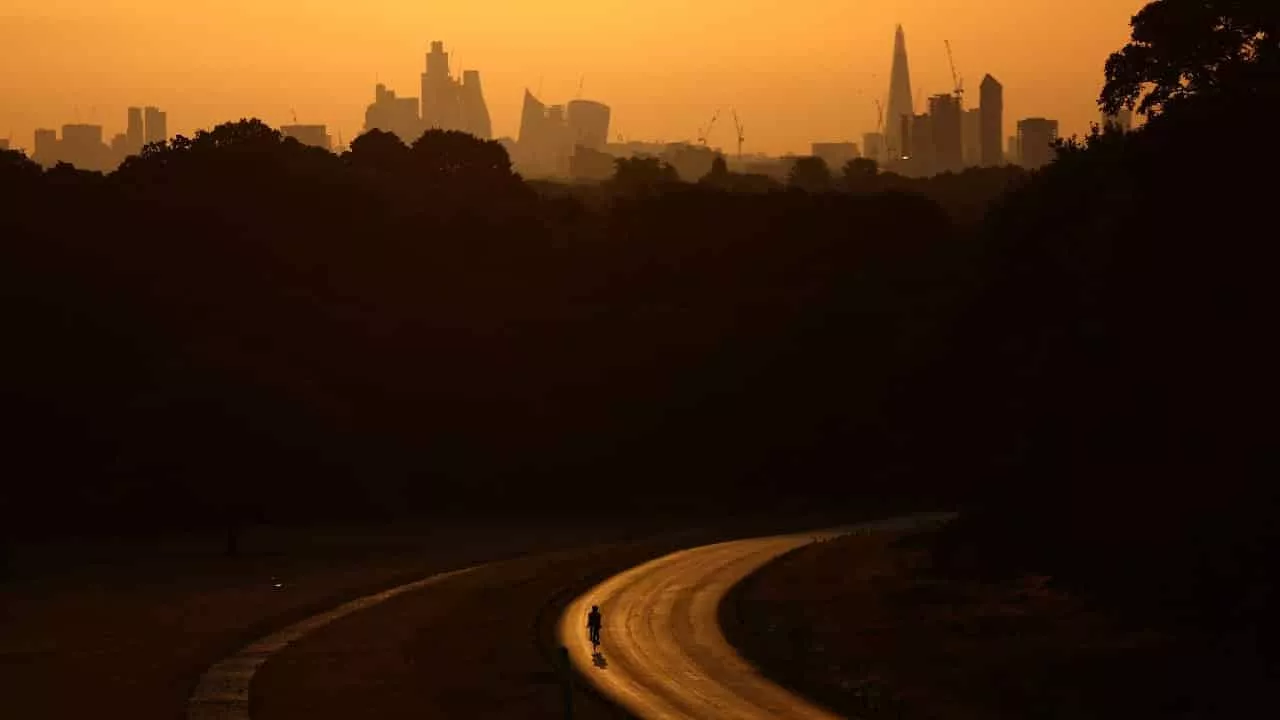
449	103
947	133
135	136
440	108
899	96
393	114
588	123
475	114
155	125
1035	141
992	121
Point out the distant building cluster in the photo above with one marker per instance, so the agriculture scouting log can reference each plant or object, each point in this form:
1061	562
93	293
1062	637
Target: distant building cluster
446	103
948	137
562	140
82	145
572	140
551	136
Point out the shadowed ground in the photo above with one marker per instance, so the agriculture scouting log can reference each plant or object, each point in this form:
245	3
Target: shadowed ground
871	627
127	630
481	645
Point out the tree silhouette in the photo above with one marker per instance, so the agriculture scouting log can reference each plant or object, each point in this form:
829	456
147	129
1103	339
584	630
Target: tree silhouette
16	167
461	157
718	173
859	173
642	174
1184	48
245	135
810	174
378	151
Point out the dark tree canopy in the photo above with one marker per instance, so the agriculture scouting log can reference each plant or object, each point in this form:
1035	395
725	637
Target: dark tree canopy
248	134
1184	48
378	150
639	174
719	170
456	155
859	172
14	164
810	174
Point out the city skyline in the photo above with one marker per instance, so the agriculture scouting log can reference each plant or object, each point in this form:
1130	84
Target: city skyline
790	81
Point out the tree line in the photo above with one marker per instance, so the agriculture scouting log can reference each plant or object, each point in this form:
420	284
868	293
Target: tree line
235	323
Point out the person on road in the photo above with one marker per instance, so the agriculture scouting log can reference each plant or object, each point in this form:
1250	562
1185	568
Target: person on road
593	625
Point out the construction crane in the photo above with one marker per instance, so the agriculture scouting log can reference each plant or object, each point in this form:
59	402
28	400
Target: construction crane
737	124
705	131
956	80
295	115
581	79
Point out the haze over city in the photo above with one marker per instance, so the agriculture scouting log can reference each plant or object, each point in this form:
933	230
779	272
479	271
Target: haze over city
796	73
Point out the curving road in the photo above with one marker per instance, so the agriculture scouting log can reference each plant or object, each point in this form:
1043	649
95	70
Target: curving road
664	655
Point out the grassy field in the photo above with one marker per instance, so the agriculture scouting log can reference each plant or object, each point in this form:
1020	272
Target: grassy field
125	629
865	626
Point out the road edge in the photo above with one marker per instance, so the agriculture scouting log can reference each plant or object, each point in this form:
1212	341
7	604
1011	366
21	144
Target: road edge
222	691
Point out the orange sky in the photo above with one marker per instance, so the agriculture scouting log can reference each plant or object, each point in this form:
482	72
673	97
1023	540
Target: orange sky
796	70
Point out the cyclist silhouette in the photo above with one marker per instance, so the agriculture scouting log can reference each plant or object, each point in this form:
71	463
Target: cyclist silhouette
593	626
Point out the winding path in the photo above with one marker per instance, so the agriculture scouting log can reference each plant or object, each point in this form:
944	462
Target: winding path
663	654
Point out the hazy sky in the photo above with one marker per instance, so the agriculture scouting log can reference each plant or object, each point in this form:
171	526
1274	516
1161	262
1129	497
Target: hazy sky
796	70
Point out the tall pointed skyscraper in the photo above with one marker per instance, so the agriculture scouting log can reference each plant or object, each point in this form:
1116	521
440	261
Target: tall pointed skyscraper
899	96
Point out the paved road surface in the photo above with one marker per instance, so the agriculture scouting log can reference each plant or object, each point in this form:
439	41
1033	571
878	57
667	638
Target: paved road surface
664	655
